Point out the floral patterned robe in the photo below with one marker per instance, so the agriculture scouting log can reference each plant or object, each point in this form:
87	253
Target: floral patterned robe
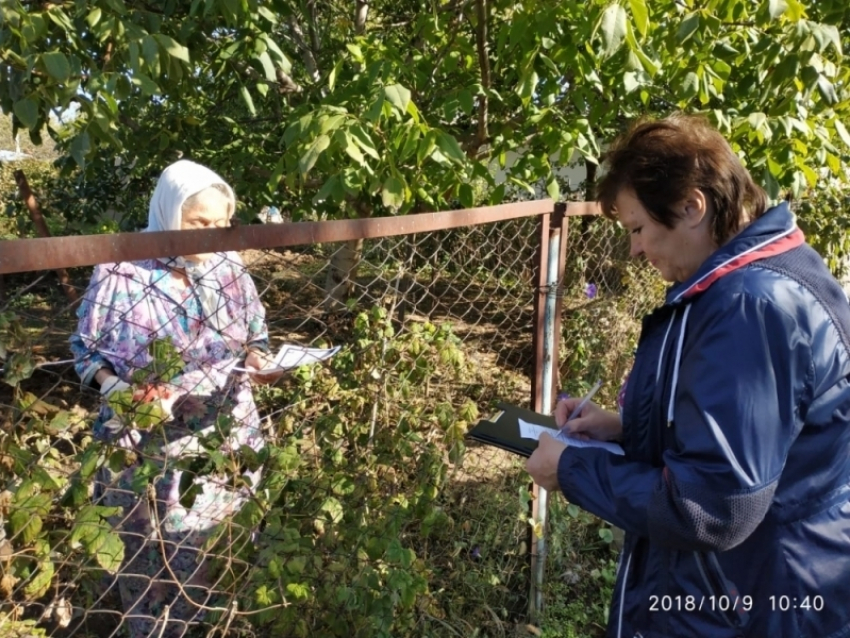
126	306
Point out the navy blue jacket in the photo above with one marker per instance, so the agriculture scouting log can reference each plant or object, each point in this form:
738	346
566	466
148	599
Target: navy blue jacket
735	487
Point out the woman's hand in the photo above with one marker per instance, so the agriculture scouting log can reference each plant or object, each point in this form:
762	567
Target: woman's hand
257	360
592	423
542	465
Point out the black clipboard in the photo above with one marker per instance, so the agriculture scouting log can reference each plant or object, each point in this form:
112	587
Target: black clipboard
502	431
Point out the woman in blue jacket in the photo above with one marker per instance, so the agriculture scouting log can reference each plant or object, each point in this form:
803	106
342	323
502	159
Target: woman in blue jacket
735	487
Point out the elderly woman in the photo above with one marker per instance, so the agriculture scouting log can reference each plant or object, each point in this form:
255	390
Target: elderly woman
208	307
734	490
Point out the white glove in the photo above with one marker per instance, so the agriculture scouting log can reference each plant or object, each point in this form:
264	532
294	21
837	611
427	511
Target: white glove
112	384
129	437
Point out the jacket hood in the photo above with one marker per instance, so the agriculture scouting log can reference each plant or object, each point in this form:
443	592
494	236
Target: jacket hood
773	233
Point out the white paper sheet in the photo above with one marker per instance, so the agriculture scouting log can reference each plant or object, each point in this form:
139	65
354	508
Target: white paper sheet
291	356
533	431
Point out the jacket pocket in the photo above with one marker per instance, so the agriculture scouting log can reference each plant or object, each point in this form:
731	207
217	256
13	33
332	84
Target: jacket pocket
725	598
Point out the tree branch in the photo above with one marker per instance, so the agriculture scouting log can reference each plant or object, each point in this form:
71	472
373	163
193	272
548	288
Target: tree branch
107	55
311	27
481	9
307	53
361	12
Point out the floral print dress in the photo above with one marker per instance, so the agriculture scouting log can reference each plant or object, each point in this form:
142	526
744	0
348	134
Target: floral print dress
127	306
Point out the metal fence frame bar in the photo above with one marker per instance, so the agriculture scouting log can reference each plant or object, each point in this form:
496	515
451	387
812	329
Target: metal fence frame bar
22	255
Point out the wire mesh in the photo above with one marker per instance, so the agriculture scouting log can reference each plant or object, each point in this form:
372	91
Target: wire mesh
604	295
340	500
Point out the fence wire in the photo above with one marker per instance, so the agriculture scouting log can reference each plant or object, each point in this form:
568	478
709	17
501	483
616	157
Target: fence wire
340	500
604	295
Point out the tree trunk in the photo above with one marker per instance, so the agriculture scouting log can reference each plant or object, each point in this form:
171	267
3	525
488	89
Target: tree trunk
342	270
41	228
361	11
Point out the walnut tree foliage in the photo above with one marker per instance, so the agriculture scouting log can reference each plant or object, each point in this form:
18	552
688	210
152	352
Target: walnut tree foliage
394	106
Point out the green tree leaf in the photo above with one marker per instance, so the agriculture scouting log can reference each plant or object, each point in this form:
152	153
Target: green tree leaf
398	96
268	66
613	29
80	148
640	14
466	101
174	48
770	184
308	160
827	90
392	193
268	14
57	65
249	101
40	582
27	112
776	8
688	27
466	196
528	84
93	18
148	86
19	367
364	141
353	150
842	132
690	86
553	189
26	525
450	147
110	553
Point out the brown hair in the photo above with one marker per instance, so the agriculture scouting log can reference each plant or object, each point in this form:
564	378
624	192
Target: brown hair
663	160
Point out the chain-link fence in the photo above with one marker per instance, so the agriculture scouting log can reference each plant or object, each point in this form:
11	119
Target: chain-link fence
152	483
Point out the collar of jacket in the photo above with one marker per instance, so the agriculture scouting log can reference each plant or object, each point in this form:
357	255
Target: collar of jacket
773	233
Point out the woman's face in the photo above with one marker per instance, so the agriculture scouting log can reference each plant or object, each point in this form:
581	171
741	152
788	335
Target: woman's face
676	252
210	208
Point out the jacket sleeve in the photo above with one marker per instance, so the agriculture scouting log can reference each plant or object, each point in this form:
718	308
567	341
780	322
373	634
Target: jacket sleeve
744	370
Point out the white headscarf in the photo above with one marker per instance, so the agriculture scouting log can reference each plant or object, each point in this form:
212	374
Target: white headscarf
179	182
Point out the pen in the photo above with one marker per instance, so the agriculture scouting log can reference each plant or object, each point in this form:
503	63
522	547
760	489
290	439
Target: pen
585	400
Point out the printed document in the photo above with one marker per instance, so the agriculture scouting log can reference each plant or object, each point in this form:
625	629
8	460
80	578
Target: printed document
291	356
533	431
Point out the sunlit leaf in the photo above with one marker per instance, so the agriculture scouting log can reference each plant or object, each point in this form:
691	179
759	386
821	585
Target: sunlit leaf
842	132
613	29
249	101
640	14
398	96
827	90
173	47
392	192
776	8
268	66
308	160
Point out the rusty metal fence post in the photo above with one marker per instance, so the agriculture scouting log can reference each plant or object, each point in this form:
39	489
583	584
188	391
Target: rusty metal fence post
544	375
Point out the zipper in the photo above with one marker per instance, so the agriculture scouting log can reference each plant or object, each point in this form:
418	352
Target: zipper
720	587
623	596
